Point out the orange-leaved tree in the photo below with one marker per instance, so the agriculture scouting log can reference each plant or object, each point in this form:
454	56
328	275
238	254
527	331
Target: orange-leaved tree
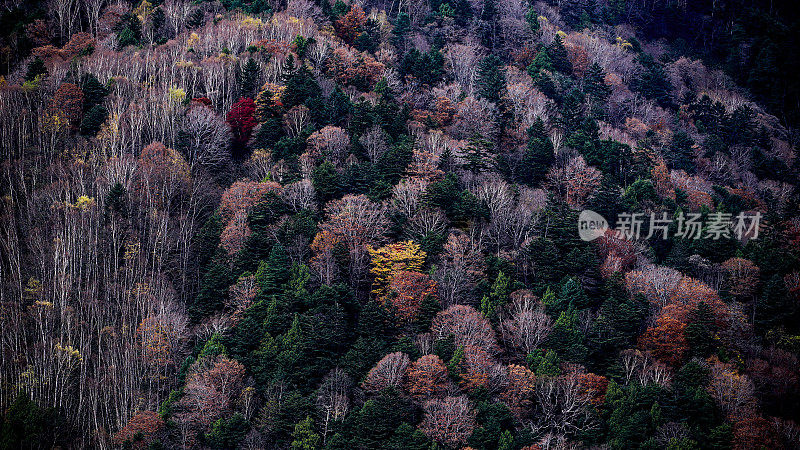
427	377
407	291
666	340
349	25
519	390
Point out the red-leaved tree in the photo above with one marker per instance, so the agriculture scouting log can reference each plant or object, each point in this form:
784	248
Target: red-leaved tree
139	431
241	119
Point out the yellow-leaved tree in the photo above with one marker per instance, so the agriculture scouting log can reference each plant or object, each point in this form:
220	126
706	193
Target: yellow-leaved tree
389	260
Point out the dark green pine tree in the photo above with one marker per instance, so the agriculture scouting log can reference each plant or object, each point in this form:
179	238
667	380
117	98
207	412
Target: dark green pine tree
633	414
494	424
545	363
196	18
408	437
302	45
206	241
615	329
304	437
248	78
532	17
488	24
275	272
539	155
246	336
476	154
491	79
402	26
652	81
227	432
594	85
261	241
693	403
558	56
129	31
774	307
291	358
93	91
116	203
419	65
35	68
376	421
93	120
680	153
463	12
455	363
300	85
268	133
606	201
338	107
328	335
327	183
707	113
24	424
497	297
572	115
540	62
701	330
763	78
572	295
427	311
566	339
213	289
367	40
161	31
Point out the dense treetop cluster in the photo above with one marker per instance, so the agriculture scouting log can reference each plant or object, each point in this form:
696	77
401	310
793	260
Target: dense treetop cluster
353	225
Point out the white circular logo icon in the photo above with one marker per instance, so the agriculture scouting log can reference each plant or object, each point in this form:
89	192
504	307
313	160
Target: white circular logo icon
591	225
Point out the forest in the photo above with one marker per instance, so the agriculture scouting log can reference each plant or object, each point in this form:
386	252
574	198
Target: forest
399	224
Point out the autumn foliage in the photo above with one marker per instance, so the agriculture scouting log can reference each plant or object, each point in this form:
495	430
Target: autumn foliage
754	432
666	340
353	68
67	104
427	377
519	390
243	196
478	368
391	259
269	224
241	119
594	386
742	276
212	385
407	291
349	25
140	430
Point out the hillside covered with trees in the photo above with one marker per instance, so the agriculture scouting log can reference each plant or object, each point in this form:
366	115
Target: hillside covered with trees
306	224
